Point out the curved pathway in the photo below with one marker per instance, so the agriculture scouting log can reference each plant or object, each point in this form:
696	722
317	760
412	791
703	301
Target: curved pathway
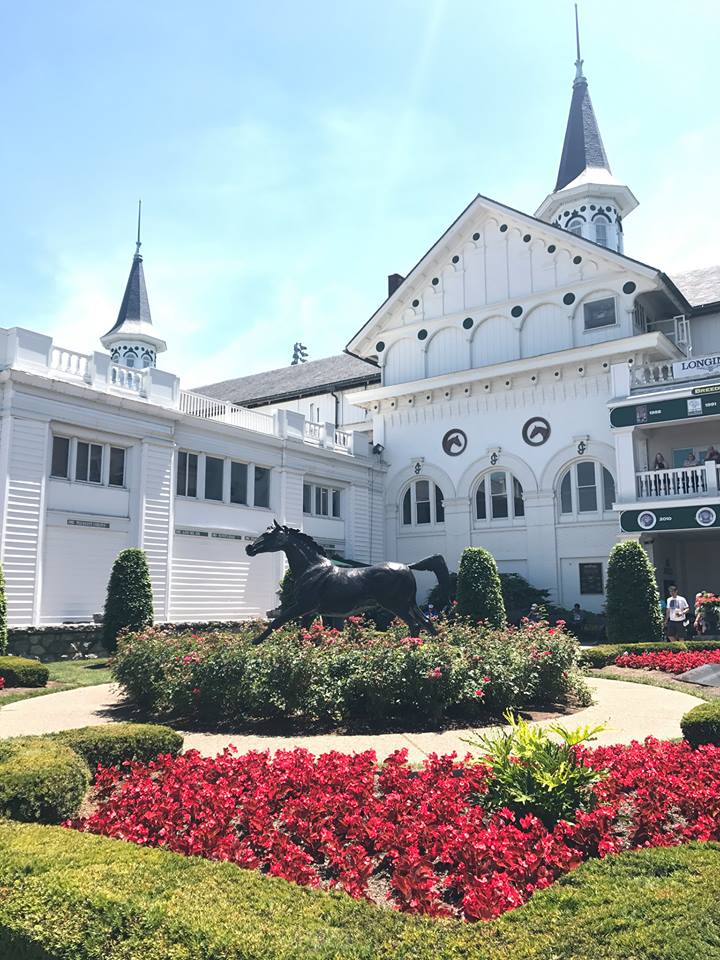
631	711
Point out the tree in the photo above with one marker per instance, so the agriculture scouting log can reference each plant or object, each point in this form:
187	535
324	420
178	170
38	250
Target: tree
479	595
129	602
3	615
632	598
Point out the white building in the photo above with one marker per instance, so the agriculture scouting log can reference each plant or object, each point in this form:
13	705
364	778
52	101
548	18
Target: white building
102	452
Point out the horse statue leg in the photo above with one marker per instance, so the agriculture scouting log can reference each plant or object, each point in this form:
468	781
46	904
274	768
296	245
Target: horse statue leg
293	612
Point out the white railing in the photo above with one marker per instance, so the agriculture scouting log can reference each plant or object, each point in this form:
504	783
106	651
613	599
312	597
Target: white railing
676	329
128	378
655	374
665	484
342	440
314	431
207	408
69	362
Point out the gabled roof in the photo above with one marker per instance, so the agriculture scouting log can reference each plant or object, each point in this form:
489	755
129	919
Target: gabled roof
583	147
135	304
453	235
341	372
701	286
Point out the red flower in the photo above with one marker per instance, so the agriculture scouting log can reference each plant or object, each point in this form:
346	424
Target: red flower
2	683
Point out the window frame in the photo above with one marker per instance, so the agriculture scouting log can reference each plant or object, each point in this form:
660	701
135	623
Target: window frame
198	473
602	510
484	483
434	501
317	491
105	446
599	326
575	222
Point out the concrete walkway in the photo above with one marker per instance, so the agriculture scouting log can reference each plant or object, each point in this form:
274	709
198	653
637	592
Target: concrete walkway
631	711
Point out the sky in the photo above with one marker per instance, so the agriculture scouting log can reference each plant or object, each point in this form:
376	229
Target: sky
291	155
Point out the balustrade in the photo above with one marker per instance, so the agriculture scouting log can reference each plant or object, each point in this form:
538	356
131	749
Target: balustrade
682	482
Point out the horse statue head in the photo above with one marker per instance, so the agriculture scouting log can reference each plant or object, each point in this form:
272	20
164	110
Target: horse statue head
277	537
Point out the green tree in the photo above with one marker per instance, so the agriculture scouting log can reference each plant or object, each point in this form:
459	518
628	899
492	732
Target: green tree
632	599
129	602
3	615
479	594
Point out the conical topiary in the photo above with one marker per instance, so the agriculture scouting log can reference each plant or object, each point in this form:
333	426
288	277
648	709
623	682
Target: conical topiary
632	600
129	602
479	594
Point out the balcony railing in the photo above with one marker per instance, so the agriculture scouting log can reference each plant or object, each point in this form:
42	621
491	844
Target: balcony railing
207	408
657	374
69	362
683	482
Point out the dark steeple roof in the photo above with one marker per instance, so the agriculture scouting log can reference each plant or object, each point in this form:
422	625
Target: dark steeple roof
583	146
135	305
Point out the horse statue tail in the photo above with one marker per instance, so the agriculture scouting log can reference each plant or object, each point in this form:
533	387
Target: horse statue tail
436	564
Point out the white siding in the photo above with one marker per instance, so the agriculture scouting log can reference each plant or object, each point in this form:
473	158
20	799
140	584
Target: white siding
404	362
157	490
77	565
545	330
447	352
495	341
21	542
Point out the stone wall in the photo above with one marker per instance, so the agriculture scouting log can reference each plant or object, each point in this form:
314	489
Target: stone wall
56	642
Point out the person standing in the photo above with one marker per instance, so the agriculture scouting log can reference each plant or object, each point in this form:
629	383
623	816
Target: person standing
676	612
659	463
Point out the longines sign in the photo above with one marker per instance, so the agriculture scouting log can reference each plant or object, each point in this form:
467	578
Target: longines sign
696	368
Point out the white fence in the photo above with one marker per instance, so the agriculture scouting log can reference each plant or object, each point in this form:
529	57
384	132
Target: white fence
69	362
682	482
207	408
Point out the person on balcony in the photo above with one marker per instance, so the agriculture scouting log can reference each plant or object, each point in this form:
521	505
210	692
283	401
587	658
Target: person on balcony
712	454
676	613
691	460
659	462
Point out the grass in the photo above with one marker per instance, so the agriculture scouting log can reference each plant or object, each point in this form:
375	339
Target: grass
653	679
64	675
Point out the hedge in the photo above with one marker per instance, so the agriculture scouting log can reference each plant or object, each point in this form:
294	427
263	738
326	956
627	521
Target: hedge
479	593
111	744
702	724
632	604
69	895
41	780
129	600
20	672
604	654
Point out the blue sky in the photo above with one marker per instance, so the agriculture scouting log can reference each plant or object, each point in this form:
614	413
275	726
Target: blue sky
291	155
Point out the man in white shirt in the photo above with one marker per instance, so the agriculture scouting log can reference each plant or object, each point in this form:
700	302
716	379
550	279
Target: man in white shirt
676	613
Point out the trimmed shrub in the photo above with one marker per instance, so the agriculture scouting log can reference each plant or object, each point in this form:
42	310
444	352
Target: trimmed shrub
605	654
21	672
702	724
479	594
355	677
72	895
112	744
3	616
41	780
633	602
129	602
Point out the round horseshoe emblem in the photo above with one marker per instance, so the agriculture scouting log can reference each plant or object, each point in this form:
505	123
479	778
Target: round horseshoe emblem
454	442
536	431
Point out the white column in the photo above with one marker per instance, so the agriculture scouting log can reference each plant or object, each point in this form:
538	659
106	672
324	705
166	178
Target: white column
458	528
625	485
543	561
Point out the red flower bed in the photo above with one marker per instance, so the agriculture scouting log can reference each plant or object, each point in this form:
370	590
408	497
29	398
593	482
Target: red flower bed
418	838
669	661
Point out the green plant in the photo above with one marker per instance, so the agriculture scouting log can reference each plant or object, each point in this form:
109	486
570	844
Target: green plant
633	603
72	895
3	615
129	602
519	595
529	772
21	672
479	594
702	724
112	744
40	780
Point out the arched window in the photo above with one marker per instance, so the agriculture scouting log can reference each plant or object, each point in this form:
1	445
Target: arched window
499	496
601	231
575	226
586	487
422	504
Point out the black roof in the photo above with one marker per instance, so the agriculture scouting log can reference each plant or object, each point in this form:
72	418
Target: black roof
583	146
135	304
341	372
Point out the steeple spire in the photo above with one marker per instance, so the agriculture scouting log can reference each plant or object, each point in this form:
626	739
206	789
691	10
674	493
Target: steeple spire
131	340
583	146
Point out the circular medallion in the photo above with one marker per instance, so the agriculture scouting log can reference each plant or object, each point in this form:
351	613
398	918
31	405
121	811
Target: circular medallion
536	431
706	516
646	520
454	442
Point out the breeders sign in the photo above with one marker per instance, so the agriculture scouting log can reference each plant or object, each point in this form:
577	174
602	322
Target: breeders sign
697	368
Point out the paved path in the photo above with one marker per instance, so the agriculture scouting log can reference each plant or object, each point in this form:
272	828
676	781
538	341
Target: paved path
632	711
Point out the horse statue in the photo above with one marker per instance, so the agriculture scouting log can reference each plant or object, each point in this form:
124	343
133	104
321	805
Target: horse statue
321	587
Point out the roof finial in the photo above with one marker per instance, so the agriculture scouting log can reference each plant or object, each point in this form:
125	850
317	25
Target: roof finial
579	61
138	244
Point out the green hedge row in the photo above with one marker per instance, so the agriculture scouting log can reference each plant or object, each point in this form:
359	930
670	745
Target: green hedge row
45	779
71	896
20	672
603	655
702	724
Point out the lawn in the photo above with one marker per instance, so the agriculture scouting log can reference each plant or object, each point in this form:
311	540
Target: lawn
64	675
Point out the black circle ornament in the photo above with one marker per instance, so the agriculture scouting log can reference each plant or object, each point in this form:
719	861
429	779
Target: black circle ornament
454	442
536	431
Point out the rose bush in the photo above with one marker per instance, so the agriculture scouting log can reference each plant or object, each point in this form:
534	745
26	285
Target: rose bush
358	675
419	839
669	661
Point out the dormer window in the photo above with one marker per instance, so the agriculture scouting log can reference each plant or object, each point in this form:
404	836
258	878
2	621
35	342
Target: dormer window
575	226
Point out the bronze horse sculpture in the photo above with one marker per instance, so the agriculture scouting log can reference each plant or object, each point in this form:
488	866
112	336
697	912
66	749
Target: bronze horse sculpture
321	587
